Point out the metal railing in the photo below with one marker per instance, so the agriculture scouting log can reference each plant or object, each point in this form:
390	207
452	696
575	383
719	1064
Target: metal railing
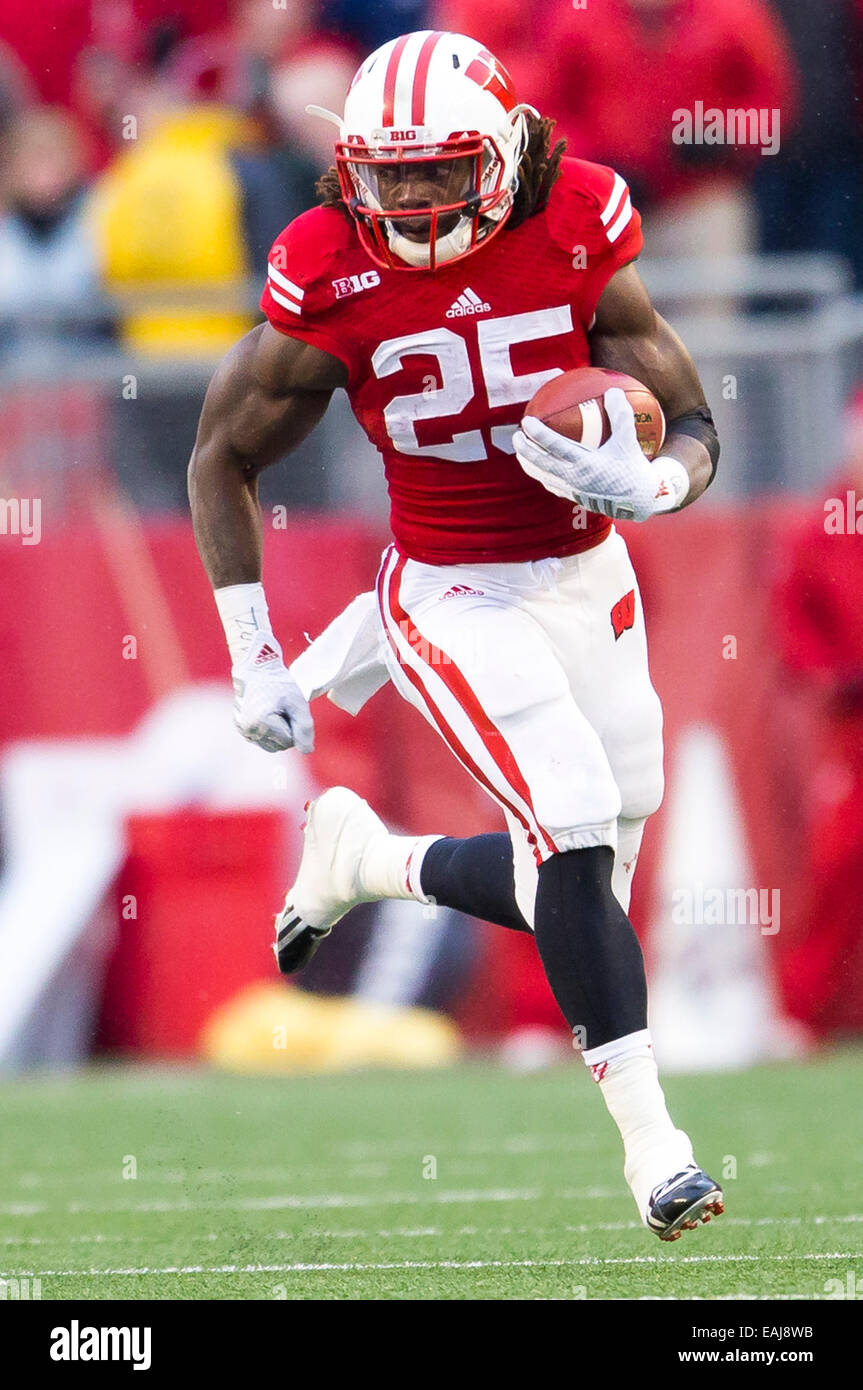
778	342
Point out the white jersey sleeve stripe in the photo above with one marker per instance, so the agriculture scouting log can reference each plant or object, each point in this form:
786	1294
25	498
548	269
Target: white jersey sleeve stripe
617	191
284	282
622	221
285	302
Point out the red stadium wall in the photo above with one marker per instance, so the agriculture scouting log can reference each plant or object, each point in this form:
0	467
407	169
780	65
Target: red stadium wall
72	600
198	882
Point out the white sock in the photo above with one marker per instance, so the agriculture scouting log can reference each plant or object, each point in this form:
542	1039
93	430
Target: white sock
654	1150
629	837
391	866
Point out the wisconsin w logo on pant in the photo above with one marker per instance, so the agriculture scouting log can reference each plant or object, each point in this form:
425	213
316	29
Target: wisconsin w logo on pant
623	614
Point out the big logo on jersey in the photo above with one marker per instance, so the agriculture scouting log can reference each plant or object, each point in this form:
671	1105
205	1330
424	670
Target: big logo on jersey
354	284
458	387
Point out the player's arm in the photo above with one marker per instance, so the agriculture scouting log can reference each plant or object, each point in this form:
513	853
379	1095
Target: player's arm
628	335
265	397
267	394
615	479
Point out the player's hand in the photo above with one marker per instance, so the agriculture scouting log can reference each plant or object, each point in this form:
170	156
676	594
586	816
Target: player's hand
269	707
616	479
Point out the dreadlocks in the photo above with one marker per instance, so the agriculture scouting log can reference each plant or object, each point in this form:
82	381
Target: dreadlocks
537	173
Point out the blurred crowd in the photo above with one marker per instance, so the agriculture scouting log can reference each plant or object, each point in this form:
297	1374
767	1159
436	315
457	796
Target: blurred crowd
164	143
151	151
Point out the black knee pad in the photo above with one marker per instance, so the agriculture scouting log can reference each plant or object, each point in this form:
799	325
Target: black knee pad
590	953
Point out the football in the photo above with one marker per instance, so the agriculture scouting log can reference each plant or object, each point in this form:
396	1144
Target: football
572	405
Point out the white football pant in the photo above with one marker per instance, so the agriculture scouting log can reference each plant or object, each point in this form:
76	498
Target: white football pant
535	675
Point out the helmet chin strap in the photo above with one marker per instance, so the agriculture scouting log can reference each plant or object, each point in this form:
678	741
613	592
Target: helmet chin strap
455	243
418	253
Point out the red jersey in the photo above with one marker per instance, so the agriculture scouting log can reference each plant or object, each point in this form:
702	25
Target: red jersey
441	364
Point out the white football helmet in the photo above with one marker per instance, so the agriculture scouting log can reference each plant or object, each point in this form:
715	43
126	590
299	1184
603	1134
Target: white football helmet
433	114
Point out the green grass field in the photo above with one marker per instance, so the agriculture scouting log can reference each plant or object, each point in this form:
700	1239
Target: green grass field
316	1187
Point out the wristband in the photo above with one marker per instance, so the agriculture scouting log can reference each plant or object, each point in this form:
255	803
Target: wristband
244	614
673	482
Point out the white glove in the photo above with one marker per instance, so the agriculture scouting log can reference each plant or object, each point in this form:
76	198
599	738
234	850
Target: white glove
269	707
616	479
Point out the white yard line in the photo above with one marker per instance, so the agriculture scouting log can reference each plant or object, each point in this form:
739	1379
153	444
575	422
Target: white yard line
428	1232
363	1160
593	1261
316	1202
335	1200
102	1177
514	1144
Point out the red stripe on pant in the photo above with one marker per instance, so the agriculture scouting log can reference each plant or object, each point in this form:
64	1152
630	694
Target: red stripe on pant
448	735
491	737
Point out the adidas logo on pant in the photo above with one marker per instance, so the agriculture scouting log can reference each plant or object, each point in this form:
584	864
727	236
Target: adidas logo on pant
468	303
458	589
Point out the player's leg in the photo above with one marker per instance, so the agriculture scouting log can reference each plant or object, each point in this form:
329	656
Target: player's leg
630	832
503	704
594	964
596	608
483	672
629	836
350	857
507	653
475	876
551	776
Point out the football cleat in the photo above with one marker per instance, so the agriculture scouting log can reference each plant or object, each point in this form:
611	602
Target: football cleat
680	1203
296	940
339	826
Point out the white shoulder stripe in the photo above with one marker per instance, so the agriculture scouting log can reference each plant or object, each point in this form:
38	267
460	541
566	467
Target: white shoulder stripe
285	302
617	191
621	222
284	282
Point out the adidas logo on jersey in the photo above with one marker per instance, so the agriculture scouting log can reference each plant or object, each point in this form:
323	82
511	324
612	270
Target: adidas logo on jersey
467	303
458	590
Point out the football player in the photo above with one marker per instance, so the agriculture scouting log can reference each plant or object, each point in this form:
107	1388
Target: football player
457	261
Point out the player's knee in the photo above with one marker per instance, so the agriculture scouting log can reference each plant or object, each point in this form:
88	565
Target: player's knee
642	793
635	755
576	799
587	875
581	813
